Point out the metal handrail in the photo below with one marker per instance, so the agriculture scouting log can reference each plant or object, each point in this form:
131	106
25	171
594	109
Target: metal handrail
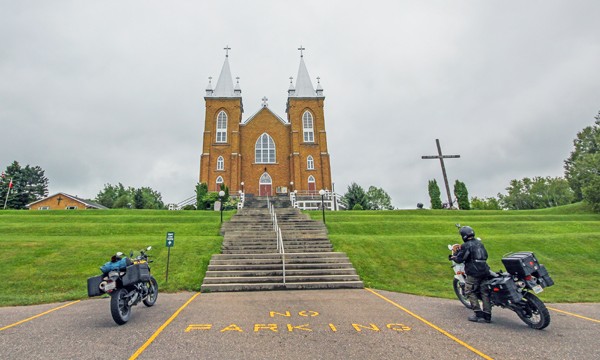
277	229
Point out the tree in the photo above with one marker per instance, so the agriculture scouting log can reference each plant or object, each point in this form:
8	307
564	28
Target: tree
28	185
356	195
378	199
117	197
201	191
537	193
462	195
435	195
490	203
583	165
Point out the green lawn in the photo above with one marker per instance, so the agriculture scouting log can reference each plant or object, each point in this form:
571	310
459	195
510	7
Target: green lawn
406	251
47	256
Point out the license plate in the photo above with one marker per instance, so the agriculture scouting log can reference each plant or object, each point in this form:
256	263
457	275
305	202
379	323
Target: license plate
538	289
110	286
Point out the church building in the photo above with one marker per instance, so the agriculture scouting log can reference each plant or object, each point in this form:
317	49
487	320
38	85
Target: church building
265	154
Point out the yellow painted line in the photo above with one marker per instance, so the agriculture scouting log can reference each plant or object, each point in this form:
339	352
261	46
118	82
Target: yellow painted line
161	328
433	326
38	315
579	316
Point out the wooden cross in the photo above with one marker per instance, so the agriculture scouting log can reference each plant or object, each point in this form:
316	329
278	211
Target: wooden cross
301	48
442	157
227	48
59	199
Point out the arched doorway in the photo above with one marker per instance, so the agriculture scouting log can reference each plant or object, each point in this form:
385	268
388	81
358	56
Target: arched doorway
265	185
312	185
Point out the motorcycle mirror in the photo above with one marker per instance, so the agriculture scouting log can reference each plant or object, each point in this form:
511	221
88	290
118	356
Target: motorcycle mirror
131	254
149	248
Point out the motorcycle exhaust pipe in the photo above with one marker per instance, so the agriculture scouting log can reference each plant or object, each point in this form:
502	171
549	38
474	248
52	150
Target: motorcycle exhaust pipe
102	286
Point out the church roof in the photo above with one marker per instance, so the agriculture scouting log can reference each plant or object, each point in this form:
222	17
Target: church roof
224	87
267	109
304	87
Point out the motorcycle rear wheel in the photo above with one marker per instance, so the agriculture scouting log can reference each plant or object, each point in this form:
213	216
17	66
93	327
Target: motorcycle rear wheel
459	290
152	286
119	309
534	313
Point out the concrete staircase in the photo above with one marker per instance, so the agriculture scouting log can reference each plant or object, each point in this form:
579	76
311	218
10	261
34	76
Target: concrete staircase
250	261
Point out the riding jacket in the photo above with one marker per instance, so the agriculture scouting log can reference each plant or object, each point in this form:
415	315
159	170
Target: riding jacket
474	255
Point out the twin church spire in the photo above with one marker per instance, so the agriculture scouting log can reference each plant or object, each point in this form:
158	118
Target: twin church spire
225	88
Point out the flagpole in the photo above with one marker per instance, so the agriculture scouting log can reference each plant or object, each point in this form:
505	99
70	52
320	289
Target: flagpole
8	192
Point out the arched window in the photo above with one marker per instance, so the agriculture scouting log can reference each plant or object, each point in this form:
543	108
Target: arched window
307	127
220	163
222	127
310	163
264	150
219	182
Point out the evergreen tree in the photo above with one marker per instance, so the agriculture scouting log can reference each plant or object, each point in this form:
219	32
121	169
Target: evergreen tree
28	185
356	195
435	195
462	195
201	191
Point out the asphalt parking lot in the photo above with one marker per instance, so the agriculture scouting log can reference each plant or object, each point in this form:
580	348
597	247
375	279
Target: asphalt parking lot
315	324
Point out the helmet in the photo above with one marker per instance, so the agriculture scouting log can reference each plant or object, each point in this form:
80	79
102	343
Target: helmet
117	257
466	233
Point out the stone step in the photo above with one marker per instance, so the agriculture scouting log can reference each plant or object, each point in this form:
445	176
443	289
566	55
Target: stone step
279	272
280	286
314	260
278	256
272	266
275	279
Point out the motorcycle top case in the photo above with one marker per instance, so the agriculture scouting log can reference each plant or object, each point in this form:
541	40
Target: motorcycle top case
94	286
521	264
504	290
136	273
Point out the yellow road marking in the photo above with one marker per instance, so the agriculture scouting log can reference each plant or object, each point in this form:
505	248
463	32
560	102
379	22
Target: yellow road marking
433	326
161	328
579	316
38	315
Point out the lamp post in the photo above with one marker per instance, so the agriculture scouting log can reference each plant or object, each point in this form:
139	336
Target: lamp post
242	184
291	186
322	193
221	194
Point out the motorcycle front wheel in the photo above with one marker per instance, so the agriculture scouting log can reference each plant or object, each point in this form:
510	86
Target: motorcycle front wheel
152	286
459	290
533	312
119	309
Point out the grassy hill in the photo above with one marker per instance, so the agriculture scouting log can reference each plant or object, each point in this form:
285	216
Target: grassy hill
48	255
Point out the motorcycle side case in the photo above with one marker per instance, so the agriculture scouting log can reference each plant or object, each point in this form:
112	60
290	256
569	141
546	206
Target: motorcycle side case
521	264
136	273
94	286
544	278
503	290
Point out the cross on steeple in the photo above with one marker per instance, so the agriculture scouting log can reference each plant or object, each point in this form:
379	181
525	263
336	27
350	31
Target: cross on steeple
442	157
264	100
226	48
301	48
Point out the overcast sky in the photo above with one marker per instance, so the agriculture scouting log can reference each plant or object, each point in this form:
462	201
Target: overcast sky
100	92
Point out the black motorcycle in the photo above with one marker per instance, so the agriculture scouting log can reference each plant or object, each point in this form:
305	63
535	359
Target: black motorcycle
514	289
128	281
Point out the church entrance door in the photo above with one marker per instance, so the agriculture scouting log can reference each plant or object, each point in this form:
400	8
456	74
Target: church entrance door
265	185
312	185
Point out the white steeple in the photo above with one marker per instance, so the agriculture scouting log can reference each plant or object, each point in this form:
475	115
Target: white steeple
224	87
304	86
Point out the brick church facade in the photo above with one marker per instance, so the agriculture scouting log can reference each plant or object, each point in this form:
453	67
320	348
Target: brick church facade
265	155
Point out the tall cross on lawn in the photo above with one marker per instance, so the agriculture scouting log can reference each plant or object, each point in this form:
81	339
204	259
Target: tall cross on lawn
59	199
442	157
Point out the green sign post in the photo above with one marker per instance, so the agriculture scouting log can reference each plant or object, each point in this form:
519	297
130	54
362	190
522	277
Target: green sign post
169	242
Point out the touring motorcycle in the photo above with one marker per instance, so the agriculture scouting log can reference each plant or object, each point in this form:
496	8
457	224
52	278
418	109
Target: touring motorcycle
514	288
128	281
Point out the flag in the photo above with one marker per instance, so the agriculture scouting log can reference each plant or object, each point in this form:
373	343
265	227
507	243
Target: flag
10	184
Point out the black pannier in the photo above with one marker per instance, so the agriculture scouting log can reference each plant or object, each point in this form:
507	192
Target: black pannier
521	264
503	290
544	278
94	286
136	273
